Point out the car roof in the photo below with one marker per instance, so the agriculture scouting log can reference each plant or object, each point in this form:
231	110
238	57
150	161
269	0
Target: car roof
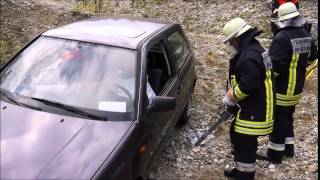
125	32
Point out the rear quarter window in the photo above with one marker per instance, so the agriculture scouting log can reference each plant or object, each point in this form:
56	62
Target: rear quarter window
179	47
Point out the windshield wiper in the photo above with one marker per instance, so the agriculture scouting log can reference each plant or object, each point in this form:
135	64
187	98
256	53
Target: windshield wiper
19	103
69	108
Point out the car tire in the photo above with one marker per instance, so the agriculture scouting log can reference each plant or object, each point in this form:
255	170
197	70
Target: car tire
184	118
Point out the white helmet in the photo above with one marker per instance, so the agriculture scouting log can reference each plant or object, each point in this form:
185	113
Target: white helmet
235	28
287	11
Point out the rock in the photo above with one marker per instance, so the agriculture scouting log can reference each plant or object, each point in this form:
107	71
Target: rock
290	173
221	53
195	150
189	158
151	176
272	167
313	168
216	160
301	138
263	141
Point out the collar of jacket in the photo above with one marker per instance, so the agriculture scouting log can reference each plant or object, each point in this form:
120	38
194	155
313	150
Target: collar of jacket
288	28
237	55
246	40
249	37
294	22
252	42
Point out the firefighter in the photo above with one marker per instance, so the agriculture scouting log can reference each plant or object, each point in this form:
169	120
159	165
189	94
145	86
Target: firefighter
291	51
274	15
252	89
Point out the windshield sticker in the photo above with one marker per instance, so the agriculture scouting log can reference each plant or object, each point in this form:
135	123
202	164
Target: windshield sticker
113	106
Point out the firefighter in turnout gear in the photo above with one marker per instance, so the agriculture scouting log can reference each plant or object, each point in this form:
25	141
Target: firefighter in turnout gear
291	51
274	16
251	79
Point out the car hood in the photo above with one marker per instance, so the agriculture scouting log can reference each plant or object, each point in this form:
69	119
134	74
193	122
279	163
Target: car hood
42	145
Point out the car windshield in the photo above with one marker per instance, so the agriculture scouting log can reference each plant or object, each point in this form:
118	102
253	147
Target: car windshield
79	74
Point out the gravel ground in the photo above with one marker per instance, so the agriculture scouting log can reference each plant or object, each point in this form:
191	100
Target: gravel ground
22	19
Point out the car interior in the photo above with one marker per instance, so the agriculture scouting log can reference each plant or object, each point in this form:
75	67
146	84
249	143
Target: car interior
158	68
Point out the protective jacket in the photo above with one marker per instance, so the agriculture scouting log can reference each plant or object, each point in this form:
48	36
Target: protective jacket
291	51
251	78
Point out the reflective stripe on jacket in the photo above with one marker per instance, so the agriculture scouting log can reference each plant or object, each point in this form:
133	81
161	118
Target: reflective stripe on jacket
291	51
251	78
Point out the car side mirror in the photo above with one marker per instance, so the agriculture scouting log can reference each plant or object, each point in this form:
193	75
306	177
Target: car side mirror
162	103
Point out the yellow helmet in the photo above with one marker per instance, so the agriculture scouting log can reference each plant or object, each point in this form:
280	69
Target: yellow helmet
235	28
287	11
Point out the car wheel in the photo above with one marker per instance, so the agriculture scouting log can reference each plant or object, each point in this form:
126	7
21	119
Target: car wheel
184	118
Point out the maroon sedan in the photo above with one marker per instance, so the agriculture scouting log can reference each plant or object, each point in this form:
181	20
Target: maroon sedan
95	99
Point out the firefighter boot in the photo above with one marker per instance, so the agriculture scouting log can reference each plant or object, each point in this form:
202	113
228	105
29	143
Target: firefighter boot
232	152
271	156
239	175
289	151
245	175
230	172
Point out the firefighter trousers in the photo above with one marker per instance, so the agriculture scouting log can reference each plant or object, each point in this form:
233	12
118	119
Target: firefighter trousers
245	148
282	136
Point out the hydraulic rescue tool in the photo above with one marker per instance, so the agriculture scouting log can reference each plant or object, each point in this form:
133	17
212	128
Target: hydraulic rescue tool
196	138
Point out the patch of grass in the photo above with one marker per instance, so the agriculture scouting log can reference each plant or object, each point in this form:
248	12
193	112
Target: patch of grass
4	46
89	8
139	3
211	59
211	174
311	85
214	60
8	48
125	11
4	51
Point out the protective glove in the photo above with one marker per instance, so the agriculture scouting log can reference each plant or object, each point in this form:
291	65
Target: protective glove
274	13
228	101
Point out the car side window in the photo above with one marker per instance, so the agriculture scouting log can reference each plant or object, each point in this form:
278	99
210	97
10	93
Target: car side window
158	67
179	47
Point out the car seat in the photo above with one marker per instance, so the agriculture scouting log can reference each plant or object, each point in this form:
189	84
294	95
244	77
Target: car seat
154	79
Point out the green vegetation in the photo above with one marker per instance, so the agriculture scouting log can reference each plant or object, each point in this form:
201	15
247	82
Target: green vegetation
8	48
95	7
89	7
4	50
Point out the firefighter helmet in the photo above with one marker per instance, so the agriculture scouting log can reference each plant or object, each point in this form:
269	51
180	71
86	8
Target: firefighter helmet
234	28
287	11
